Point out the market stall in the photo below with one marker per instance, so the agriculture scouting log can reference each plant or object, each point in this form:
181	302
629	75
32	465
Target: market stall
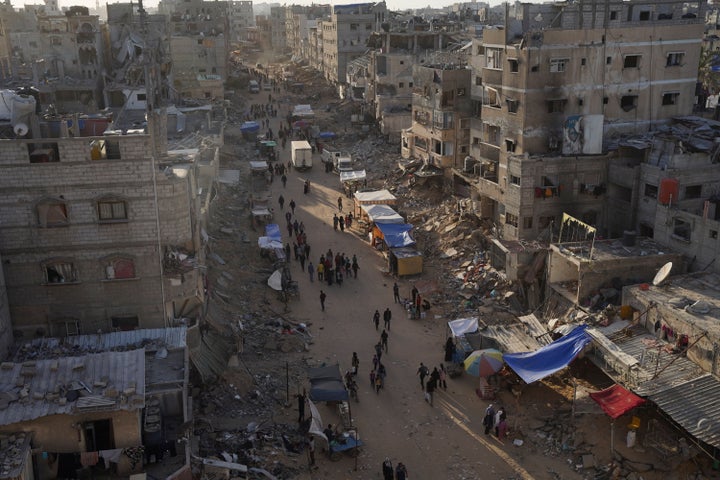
405	261
249	130
352	180
464	333
258	167
377	197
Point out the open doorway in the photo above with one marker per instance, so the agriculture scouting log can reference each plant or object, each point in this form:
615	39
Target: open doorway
99	435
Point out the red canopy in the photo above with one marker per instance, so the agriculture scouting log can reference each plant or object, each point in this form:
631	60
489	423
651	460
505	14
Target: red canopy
616	400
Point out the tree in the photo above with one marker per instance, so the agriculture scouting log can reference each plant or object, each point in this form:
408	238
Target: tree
707	77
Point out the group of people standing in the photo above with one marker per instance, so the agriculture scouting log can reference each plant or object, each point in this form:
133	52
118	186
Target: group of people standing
497	421
399	473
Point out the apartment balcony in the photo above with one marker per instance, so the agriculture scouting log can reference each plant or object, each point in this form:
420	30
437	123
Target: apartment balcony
492	77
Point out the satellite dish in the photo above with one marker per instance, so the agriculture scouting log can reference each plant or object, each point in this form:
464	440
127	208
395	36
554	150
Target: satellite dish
662	274
21	129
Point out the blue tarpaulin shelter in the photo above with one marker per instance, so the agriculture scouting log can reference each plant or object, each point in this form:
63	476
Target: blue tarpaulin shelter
326	384
533	366
272	231
250	127
326	135
396	234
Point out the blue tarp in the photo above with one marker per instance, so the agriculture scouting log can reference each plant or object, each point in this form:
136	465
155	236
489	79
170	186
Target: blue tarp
326	135
250	127
326	384
272	231
396	234
533	366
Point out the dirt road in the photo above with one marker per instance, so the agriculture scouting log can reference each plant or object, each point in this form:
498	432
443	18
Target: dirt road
444	441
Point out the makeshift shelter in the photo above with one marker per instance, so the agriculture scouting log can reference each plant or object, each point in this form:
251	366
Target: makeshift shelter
533	366
467	338
326	135
304	112
395	240
249	130
380	214
616	401
392	234
352	180
326	384
405	261
272	231
259	166
377	197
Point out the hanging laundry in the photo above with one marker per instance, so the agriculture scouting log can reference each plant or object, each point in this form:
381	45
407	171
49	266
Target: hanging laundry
110	456
88	459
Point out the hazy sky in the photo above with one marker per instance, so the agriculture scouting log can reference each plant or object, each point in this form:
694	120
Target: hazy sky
392	4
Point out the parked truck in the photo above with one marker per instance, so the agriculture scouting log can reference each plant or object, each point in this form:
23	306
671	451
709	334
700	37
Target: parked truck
301	154
341	161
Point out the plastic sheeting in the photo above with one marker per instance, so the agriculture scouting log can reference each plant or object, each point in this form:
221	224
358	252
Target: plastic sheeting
352	176
533	366
616	400
396	234
272	230
461	326
383	214
376	196
250	127
326	384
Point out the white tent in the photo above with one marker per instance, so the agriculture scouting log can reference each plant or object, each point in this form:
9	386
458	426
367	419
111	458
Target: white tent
382	214
378	196
352	176
461	326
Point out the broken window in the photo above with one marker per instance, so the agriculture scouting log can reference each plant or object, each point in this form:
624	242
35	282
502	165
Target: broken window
681	229
544	222
112	210
511	219
509	145
670	98
583	61
512	105
401	85
651	190
443	119
631	61
492	58
104	150
125	322
52	213
628	102
527	223
491	97
119	268
556	106
613	15
492	134
460	92
478	80
59	271
514	180
558	65
354	26
513	65
675	59
644	16
422	117
43	152
421	143
693	191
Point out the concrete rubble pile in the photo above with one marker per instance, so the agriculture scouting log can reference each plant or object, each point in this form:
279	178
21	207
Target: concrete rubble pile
12	452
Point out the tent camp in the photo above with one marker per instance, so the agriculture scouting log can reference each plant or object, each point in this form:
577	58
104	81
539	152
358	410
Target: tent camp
326	384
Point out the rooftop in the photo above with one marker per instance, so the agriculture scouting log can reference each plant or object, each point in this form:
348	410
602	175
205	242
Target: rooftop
107	381
612	249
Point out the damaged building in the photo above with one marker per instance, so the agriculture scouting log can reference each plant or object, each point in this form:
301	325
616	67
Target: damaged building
552	86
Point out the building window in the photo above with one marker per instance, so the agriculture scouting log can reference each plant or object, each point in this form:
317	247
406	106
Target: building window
511	219
52	213
410	84
675	59
401	85
422	117
670	98
583	61
613	15
33	44
558	65
514	180
580	101
631	61
556	106
125	322
104	150
119	268
56	41
651	190
512	105
535	68
644	16
200	41
43	152
693	191
608	60
527	223
354	26
59	271
492	58
605	100
478	80
628	102
682	230
141	97
460	92
368	26
544	222
509	145
513	65
111	210
713	234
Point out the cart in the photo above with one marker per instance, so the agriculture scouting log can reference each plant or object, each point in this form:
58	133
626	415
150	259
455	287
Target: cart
348	443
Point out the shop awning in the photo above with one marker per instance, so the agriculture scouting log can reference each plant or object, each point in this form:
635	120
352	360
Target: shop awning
250	127
258	165
382	214
616	400
396	234
533	366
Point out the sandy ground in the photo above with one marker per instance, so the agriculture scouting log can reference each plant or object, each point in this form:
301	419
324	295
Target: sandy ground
444	441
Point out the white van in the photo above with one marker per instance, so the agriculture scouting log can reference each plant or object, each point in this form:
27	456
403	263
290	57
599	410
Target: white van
254	87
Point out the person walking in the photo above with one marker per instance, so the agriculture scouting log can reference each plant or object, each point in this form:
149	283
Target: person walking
414	293
355	362
281	201
443	377
378	351
301	406
335	222
489	419
288	217
306	187
287	251
311	271
422	373
301	257
320	270
401	472
341	221
387	316
396	293
384	340
284	179
499	417
355	266
292	206
311	451
322	300
387	470
429	390
376	319
340	203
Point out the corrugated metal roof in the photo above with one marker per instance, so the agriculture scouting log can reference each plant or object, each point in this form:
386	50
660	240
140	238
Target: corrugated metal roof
526	335
170	338
675	384
33	389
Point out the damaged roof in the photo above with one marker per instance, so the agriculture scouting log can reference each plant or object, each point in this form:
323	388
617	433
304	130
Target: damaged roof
171	338
107	381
